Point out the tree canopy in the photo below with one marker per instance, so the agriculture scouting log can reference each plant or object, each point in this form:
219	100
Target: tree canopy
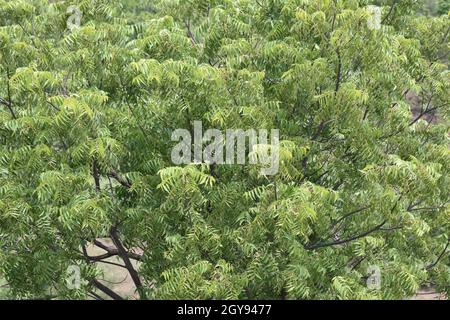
86	116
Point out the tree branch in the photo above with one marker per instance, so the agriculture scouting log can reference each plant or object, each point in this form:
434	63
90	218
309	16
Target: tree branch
123	253
114	251
191	36
394	2
95	296
8	89
339	242
350	214
124	182
96	175
427	110
9	106
430	266
339	72
100	286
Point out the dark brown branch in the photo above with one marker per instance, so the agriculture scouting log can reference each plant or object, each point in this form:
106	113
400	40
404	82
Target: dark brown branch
98	258
100	286
439	258
339	242
427	208
9	106
137	122
4	102
339	72
105	247
191	36
321	176
394	2
53	106
339	224
350	214
96	175
124	182
123	253
8	89
103	256
426	111
319	130
112	263
422	113
355	262
113	251
95	296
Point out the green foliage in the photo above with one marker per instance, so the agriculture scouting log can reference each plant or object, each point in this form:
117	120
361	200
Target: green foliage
443	7
86	118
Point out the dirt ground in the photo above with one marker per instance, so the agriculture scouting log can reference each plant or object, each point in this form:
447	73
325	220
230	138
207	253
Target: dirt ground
428	294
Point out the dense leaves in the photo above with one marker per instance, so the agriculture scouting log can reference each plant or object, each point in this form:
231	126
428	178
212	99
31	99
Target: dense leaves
86	117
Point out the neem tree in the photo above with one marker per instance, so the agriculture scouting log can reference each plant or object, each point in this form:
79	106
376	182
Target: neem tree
86	118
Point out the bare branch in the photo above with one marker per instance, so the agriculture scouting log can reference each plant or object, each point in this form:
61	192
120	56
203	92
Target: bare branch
339	72
95	296
430	266
9	106
100	286
113	251
123	253
191	36
351	214
339	242
394	2
123	181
